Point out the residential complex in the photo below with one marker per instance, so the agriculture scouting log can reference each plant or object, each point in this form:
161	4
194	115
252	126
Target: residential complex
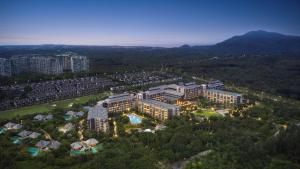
157	109
79	63
223	97
36	63
44	64
164	93
47	91
74	62
97	118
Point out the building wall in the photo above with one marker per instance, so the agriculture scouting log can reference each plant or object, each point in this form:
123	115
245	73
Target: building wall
5	67
97	124
36	64
20	64
192	93
156	111
221	97
79	63
120	106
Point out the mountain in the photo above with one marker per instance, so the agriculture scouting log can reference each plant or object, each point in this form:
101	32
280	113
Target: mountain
259	42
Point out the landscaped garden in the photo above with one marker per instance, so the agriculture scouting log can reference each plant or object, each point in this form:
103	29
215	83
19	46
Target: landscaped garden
206	113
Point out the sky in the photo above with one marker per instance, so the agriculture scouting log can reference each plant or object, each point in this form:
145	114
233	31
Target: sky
142	22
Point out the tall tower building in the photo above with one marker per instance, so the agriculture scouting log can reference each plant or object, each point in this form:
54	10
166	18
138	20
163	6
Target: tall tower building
79	63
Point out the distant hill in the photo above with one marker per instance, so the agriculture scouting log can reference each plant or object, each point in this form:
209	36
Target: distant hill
259	42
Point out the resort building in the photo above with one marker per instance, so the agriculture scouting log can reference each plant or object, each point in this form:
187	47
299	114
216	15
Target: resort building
98	119
159	110
190	90
120	102
172	93
223	97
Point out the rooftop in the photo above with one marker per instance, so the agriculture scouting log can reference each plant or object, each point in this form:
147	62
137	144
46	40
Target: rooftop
98	112
224	92
160	104
119	97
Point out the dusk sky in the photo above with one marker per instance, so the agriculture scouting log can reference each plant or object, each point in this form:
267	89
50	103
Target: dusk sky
141	22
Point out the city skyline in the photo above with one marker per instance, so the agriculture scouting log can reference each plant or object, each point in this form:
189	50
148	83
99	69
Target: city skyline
155	23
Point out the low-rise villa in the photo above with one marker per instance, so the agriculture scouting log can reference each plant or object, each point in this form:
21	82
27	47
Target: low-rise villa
46	145
66	128
24	133
83	147
41	117
15	126
34	135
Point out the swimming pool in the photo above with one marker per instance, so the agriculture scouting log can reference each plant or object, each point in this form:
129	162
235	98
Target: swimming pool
16	139
2	130
33	151
134	119
68	118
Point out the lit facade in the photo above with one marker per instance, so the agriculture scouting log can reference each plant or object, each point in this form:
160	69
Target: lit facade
156	109
223	97
190	90
120	102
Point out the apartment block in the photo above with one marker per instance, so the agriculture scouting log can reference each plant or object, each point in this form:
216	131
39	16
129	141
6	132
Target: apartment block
36	64
5	67
79	63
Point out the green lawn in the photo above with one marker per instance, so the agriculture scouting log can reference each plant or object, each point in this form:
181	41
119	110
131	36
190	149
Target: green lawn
206	113
8	114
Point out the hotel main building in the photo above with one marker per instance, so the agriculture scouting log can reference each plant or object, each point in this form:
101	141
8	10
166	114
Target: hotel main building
120	102
159	110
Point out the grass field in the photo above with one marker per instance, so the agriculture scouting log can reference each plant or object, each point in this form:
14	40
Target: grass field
206	113
8	114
